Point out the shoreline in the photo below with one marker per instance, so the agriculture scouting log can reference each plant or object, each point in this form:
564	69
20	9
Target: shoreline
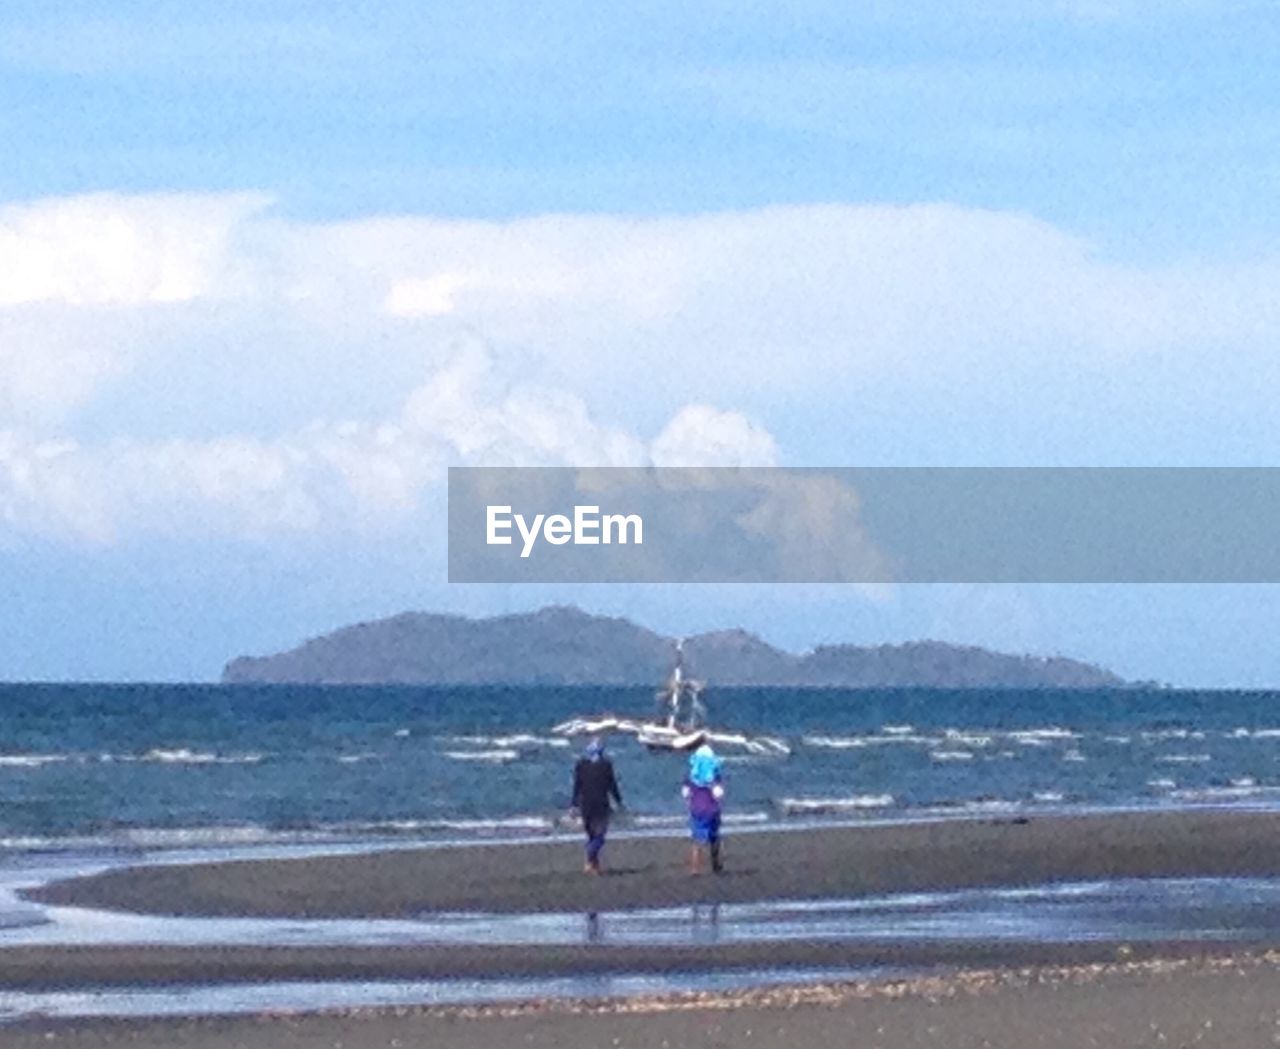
810	993
647	871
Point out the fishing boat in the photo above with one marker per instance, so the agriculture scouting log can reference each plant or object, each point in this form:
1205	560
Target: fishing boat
680	723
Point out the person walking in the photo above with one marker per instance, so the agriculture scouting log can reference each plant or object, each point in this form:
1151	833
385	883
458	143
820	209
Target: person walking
595	792
703	790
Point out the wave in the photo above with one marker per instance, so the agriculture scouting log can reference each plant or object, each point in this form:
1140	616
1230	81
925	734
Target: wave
658	821
991	805
951	755
1253	733
1185	759
495	757
132	839
158	755
522	739
186	756
967	739
31	761
1042	737
855	742
496	825
833	806
1234	792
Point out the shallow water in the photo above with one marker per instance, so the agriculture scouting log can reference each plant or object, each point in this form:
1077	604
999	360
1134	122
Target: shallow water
1245	911
233	999
1241	910
1152	911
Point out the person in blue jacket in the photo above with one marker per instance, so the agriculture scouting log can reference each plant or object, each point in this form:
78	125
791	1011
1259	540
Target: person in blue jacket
703	790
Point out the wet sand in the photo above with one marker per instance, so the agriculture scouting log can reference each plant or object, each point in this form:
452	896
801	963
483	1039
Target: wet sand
650	872
986	994
1224	1003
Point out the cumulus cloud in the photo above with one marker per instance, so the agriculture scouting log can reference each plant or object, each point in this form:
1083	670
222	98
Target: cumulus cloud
107	249
700	435
115	308
333	478
699	308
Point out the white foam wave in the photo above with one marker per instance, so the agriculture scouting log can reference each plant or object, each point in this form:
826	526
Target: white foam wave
991	805
833	806
31	761
1039	737
497	757
518	740
658	821
857	742
186	756
951	755
497	825
1185	759
967	739
1048	796
1223	793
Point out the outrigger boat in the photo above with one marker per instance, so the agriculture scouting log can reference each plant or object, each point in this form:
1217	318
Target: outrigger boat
680	724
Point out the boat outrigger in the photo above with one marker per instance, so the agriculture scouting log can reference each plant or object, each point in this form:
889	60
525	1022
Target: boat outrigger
680	724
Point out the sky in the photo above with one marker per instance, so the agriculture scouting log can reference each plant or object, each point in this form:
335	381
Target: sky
267	270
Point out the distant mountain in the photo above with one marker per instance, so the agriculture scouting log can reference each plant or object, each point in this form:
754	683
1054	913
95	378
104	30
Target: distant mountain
566	646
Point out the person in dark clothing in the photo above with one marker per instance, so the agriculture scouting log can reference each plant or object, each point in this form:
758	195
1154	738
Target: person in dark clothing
595	791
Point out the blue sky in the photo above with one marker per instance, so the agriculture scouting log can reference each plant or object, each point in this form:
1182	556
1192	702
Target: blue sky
265	272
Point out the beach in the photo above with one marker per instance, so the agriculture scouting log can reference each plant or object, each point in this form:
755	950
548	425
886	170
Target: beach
975	990
1225	1003
832	861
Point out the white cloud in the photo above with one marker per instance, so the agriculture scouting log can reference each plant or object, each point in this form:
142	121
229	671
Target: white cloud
700	435
706	307
107	249
332	478
129	305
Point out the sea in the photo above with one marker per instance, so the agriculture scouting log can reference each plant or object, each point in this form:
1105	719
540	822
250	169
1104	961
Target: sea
103	777
154	766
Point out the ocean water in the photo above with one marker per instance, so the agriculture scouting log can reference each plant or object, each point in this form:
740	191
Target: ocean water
154	766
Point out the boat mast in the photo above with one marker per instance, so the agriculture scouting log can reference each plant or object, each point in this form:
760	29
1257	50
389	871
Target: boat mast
677	685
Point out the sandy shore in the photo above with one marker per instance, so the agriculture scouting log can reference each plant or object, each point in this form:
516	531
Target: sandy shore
1229	1003
1015	995
647	872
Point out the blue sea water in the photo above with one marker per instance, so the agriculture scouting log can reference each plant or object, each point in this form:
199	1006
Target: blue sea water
182	765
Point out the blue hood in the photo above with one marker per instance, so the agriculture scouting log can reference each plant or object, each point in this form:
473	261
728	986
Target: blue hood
704	767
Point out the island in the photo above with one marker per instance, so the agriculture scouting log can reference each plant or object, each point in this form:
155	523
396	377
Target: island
563	645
